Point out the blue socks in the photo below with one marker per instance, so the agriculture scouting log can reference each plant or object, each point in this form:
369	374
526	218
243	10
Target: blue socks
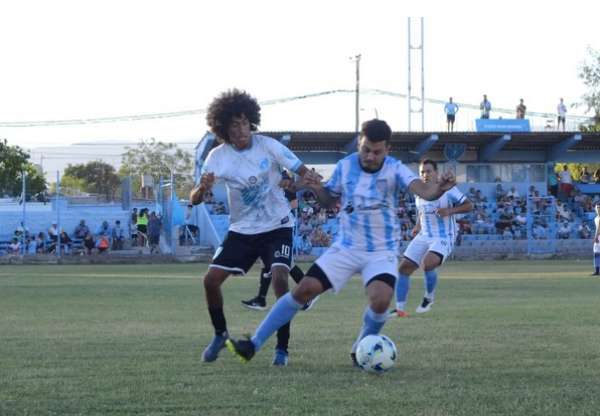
596	260
372	324
281	313
430	284
402	288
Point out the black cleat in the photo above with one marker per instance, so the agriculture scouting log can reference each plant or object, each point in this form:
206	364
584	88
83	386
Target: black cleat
353	357
257	304
242	348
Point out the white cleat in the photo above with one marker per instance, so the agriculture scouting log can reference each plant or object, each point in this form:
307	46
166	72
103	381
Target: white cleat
425	306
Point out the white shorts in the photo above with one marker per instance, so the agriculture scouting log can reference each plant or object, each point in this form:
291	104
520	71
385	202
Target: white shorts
421	244
339	264
596	248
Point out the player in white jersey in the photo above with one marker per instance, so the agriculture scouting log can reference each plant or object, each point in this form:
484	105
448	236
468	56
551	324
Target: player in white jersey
597	242
434	238
367	185
260	221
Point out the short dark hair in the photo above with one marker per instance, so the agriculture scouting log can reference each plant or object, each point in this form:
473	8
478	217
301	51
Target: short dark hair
429	162
232	103
376	130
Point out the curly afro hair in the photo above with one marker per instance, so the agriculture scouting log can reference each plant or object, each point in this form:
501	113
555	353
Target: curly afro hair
232	103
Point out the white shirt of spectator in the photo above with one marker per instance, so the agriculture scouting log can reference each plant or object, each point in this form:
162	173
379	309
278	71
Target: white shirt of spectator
596	244
256	202
369	202
565	176
434	226
561	109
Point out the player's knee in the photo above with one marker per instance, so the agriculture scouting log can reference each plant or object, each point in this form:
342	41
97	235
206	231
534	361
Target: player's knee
213	281
407	267
306	290
280	282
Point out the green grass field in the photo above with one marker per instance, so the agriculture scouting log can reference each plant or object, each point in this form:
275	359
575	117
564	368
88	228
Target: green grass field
504	338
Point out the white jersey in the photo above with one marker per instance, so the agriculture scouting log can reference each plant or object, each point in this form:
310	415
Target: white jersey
256	202
369	202
434	226
597	224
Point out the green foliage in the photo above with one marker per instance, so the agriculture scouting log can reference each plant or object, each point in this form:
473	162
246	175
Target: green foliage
575	169
589	73
504	338
156	158
13	161
94	177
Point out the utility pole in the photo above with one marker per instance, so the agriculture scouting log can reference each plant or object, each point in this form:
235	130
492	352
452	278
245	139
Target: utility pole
356	59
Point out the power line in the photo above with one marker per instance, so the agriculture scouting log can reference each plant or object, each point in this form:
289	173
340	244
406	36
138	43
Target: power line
195	112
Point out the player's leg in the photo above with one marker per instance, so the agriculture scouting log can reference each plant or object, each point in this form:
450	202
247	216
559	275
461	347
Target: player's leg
596	264
331	271
413	255
431	261
259	302
236	255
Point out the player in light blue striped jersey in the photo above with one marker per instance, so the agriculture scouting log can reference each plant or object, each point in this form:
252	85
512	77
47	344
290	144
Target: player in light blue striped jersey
367	185
435	235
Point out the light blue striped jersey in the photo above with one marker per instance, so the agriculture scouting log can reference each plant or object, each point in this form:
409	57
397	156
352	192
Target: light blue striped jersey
434	226
369	203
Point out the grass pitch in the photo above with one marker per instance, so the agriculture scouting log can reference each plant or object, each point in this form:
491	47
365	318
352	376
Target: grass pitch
504	338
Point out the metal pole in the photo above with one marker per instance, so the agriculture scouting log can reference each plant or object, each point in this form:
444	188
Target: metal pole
422	75
58	213
23	219
409	79
357	93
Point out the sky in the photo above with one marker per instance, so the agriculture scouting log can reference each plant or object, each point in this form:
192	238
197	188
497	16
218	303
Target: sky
64	60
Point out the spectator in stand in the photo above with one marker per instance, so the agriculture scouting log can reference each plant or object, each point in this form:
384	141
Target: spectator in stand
154	226
65	242
505	220
450	109
142	227
500	192
596	177
585	176
485	107
564	231
53	232
521	109
88	243
103	244
40	243
118	236
561	110
305	228
14	248
133	226
513	193
81	230
219	208
539	231
305	246
566	183
584	231
104	230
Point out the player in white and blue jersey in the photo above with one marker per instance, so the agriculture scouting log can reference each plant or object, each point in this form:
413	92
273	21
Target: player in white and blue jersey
261	224
367	185
435	235
597	241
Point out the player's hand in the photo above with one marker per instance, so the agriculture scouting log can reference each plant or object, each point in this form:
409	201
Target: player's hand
414	232
207	180
447	181
288	185
442	212
311	178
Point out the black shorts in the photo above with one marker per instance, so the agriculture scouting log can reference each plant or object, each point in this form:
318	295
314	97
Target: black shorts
239	252
450	118
142	228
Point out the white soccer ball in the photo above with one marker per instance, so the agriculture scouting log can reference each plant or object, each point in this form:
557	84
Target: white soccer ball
376	353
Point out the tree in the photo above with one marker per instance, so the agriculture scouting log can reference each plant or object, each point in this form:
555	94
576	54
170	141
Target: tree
13	161
158	159
96	177
589	72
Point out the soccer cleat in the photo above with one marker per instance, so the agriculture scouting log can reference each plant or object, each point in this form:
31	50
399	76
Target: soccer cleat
425	306
211	352
256	304
280	358
397	312
595	274
354	360
309	305
243	348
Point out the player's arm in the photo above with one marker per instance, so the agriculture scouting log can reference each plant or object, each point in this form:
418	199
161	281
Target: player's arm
417	228
431	191
207	181
466	206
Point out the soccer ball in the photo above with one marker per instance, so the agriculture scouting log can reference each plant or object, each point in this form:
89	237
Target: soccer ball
376	353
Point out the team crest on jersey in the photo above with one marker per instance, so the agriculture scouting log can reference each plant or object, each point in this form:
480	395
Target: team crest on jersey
349	208
264	164
252	180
